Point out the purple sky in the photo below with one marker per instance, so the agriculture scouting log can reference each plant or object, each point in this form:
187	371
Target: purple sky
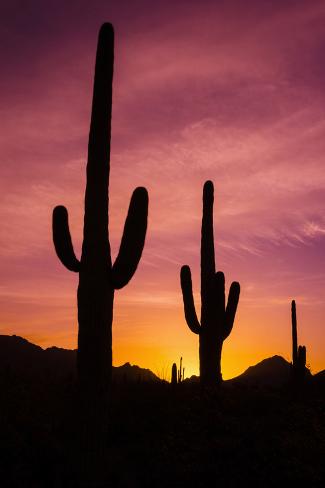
228	91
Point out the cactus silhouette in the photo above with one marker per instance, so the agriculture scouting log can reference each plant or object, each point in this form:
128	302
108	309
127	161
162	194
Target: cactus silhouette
217	319
98	278
298	353
180	370
174	374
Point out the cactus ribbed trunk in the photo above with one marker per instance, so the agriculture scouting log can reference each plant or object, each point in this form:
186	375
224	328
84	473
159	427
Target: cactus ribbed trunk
216	318
210	349
210	345
95	317
208	267
95	291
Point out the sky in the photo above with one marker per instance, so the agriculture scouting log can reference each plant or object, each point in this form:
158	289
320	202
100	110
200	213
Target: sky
229	91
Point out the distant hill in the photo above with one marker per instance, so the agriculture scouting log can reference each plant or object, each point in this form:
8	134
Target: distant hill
273	371
129	373
319	379
24	360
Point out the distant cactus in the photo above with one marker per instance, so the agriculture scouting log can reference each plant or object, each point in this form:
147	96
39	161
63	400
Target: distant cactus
178	374
174	374
216	318
180	371
98	278
298	353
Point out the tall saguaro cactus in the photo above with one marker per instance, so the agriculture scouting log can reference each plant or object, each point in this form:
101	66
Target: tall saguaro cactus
98	278
298	353
217	319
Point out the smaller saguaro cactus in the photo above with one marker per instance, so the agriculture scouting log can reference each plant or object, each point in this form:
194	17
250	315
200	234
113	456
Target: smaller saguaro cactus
174	374
178	374
217	318
298	352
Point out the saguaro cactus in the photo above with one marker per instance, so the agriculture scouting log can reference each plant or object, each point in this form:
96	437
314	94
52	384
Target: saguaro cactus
298	353
98	278
216	319
174	374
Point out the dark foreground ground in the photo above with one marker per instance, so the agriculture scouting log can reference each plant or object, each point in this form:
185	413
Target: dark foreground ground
240	436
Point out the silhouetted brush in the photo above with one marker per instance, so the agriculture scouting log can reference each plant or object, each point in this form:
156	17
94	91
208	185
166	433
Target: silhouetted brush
298	353
98	278
217	319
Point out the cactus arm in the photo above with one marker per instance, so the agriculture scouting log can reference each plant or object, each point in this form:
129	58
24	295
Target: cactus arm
62	239
231	308
96	244
133	239
302	356
189	307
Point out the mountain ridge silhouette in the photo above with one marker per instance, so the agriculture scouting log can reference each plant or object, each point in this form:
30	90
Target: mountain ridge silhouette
28	360
272	371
